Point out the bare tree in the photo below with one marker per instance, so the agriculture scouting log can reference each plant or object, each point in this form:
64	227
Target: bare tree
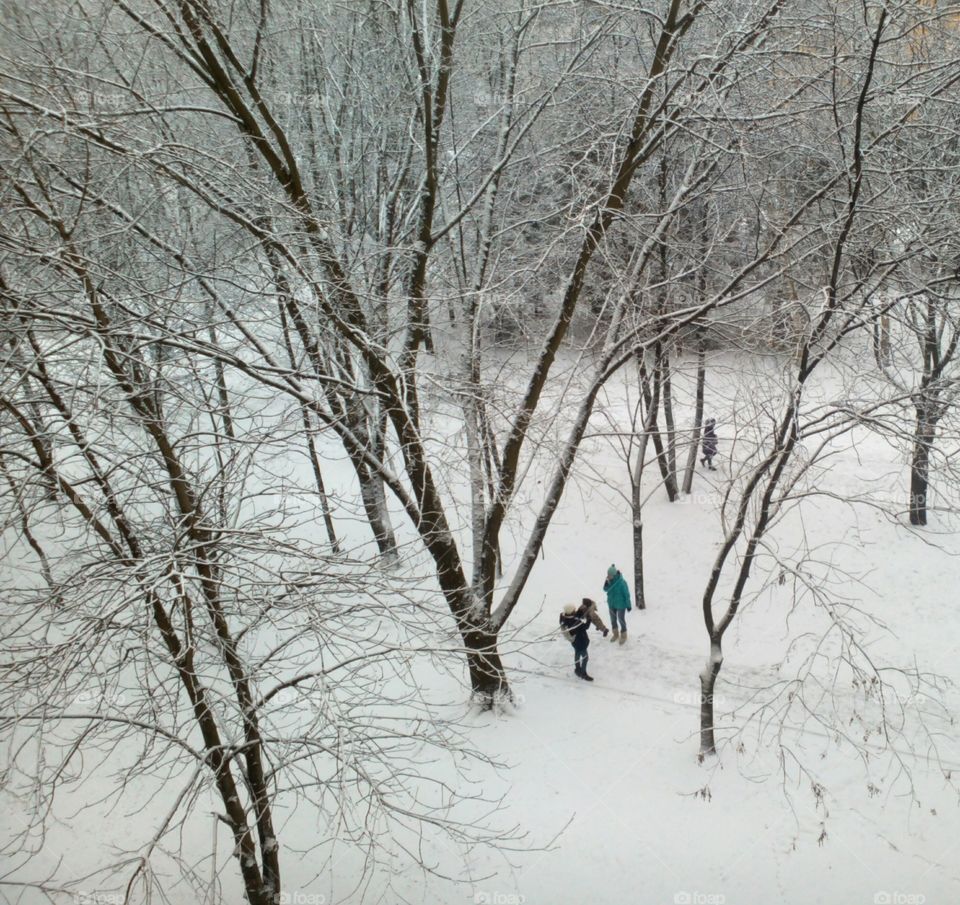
174	607
399	162
843	309
392	376
228	646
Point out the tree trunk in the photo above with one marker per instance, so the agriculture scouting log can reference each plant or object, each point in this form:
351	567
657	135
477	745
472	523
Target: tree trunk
318	478
375	507
881	340
488	679
651	399
478	501
920	464
666	453
636	479
671	424
698	414
638	595
708	681
669	475
491	464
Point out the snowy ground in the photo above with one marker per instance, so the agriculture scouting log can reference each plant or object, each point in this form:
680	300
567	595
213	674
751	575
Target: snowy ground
613	765
603	780
619	757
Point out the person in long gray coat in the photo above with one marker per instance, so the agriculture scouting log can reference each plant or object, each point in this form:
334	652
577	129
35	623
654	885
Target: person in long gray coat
709	443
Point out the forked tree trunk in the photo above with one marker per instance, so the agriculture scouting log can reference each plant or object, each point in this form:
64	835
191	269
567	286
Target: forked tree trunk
651	398
488	679
708	681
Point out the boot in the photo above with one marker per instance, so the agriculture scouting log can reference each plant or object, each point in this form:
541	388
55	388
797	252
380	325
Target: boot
583	675
578	671
615	635
623	637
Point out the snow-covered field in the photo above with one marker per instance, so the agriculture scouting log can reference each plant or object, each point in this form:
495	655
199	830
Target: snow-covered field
601	782
650	824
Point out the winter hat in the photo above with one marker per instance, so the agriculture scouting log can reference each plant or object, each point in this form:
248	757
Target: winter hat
612	571
711	422
569	609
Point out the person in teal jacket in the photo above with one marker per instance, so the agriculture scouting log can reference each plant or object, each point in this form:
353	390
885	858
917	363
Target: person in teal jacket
618	601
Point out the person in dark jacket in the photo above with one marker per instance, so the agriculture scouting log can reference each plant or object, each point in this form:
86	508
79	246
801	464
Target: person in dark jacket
574	626
588	608
618	602
709	443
